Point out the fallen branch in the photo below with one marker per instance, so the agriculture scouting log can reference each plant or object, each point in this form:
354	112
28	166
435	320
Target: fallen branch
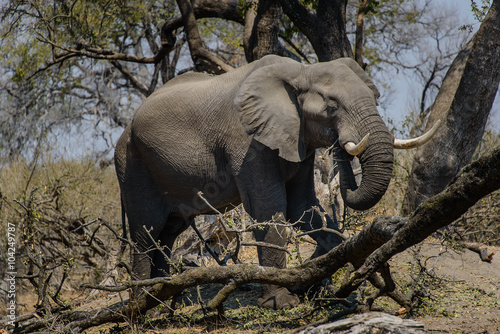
372	322
482	250
311	272
474	181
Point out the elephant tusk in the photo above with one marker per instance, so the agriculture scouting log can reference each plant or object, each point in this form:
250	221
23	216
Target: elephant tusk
355	149
404	144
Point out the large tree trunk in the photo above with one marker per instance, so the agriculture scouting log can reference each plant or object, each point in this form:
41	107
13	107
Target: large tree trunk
463	103
262	29
325	29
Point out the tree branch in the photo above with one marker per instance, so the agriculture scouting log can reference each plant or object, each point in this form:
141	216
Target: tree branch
226	9
203	59
130	77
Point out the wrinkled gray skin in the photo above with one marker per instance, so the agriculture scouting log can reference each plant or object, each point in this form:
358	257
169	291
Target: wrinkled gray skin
247	136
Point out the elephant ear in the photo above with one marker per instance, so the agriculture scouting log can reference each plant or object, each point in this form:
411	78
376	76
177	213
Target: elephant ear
269	111
354	66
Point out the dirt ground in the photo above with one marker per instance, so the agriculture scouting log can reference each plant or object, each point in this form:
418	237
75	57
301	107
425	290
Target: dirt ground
465	294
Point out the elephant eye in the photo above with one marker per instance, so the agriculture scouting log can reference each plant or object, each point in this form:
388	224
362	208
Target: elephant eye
331	107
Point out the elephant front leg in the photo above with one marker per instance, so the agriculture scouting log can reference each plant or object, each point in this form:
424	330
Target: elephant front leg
274	234
262	191
274	297
263	194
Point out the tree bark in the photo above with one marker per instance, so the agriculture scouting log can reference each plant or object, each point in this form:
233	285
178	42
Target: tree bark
325	29
463	103
262	30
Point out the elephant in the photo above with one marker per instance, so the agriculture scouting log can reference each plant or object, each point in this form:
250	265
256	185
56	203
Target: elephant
249	136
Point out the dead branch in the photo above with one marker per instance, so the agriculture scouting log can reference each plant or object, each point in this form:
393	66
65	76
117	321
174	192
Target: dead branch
372	322
128	284
482	250
323	228
222	295
265	244
161	289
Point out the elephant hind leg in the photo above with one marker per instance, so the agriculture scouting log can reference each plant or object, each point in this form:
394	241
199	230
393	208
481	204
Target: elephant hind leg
145	224
147	214
161	258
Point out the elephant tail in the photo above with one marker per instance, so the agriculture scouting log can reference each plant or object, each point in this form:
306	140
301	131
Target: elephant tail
124	239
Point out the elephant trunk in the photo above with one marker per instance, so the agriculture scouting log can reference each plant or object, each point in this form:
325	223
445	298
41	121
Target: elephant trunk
376	165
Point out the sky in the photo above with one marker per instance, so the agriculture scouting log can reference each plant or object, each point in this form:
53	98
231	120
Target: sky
403	97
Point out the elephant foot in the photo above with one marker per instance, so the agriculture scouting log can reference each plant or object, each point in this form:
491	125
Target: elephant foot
277	298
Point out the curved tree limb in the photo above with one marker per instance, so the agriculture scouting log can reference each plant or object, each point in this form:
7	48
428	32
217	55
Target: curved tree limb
203	59
226	9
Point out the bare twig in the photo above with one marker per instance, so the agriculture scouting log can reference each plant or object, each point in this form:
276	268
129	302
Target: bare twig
265	244
160	249
200	195
207	246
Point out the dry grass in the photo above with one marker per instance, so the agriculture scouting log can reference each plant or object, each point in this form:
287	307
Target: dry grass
46	204
78	189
